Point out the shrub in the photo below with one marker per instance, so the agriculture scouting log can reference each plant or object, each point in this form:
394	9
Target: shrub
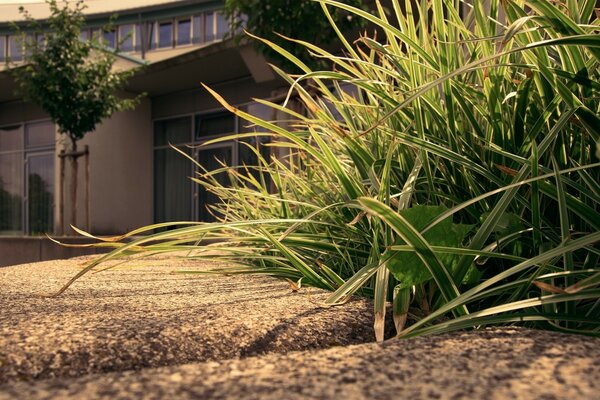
445	164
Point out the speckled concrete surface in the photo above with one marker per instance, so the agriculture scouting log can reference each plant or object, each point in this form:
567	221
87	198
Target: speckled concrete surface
492	364
148	334
126	319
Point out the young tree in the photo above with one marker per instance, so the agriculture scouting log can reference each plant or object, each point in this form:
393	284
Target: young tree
71	79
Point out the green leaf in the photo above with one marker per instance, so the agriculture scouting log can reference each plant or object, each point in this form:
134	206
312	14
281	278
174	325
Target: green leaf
408	268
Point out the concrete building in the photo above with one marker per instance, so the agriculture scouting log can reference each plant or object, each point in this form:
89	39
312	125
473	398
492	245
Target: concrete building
135	178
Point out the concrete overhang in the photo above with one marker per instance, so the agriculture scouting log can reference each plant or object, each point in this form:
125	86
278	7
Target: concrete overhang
39	10
214	63
8	86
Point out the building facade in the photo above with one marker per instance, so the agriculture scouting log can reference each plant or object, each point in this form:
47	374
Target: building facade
135	177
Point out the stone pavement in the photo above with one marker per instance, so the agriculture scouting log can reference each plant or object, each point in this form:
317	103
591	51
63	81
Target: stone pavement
146	333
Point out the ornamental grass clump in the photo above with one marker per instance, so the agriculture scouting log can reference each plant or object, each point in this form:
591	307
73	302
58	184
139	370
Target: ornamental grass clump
444	165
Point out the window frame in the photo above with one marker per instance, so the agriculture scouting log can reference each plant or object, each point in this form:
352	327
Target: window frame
132	34
179	20
24	153
159	23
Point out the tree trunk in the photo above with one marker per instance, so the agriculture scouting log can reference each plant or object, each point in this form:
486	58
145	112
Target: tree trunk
74	168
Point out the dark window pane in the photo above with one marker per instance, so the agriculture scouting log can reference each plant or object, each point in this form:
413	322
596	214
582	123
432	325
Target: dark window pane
39	134
214	124
11	189
172	186
110	39
210	159
222	26
209	23
11	138
15	48
184	31
84	35
126	37
165	34
173	131
2	48
40	190
198	29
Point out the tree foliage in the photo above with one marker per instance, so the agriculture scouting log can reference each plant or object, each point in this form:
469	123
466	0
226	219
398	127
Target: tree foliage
71	79
299	19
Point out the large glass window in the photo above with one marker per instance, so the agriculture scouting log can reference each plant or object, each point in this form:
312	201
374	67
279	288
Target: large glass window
40	193
11	180
184	31
27	178
172	186
210	158
176	196
165	34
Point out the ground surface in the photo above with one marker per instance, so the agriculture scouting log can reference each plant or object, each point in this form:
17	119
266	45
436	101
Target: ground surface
147	333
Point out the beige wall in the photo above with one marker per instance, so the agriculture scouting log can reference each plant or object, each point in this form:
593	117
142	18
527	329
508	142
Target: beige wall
121	173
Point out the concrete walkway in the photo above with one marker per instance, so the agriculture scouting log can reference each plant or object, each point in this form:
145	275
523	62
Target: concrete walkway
147	333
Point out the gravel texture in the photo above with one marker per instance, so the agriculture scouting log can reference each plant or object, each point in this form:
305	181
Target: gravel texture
492	364
148	334
125	318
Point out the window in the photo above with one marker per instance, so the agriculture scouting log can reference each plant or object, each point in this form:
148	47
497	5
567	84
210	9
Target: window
184	32
172	186
222	26
41	40
97	35
176	197
198	29
110	38
209	24
27	178
15	48
2	48
214	124
84	35
165	34
28	45
126	38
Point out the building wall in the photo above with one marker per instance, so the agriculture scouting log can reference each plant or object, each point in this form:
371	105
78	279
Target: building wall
121	169
120	173
199	100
